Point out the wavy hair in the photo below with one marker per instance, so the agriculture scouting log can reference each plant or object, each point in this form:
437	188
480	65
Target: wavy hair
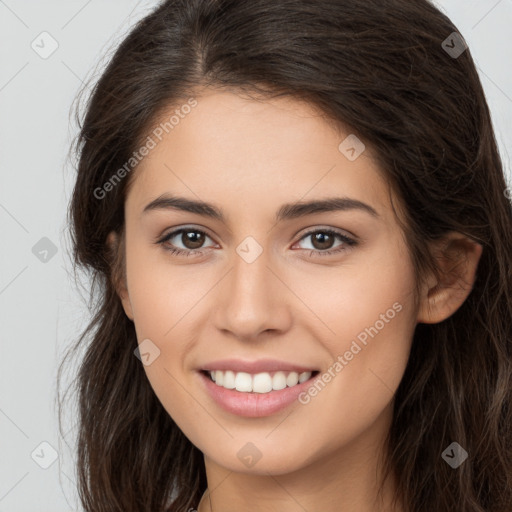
382	69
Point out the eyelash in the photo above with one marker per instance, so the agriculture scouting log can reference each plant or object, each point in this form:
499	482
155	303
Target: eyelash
313	252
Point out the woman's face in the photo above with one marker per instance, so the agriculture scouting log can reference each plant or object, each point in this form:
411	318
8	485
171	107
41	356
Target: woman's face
265	286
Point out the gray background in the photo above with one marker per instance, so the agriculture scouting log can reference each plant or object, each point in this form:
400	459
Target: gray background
41	310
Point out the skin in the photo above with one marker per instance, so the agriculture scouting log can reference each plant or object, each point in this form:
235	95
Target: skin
249	157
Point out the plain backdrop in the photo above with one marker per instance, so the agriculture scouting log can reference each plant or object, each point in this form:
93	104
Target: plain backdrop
41	310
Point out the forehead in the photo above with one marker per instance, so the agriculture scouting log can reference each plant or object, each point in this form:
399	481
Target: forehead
239	151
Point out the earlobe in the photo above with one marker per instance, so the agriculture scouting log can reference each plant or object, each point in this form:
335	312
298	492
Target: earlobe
119	281
457	257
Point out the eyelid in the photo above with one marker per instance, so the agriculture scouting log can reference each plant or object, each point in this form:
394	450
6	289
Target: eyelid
339	231
177	230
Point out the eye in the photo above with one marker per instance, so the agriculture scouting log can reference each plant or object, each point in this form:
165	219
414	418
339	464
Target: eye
324	238
191	238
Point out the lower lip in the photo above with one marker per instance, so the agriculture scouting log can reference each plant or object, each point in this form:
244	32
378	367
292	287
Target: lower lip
254	405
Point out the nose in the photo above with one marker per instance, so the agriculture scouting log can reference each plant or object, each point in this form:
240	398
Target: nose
253	299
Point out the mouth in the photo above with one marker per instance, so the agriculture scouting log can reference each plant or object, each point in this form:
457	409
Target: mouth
258	383
253	395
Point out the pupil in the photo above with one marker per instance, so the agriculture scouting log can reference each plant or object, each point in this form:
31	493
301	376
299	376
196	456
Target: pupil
194	238
321	237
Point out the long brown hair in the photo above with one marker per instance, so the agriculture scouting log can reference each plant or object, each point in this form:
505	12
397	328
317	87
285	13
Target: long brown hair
385	70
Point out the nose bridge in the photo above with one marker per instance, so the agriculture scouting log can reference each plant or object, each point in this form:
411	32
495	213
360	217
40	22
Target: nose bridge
252	300
250	275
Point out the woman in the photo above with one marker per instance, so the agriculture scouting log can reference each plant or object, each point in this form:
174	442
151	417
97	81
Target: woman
297	217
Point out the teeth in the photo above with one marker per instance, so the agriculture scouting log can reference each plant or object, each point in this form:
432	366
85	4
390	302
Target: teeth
258	383
243	381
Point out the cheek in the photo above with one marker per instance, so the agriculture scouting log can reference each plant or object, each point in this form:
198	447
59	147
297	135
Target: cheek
163	295
163	299
343	301
370	315
166	300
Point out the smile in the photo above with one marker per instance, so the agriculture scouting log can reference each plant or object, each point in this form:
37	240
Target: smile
263	382
253	395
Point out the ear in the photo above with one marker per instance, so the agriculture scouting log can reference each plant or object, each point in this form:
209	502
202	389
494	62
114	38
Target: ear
113	243
457	257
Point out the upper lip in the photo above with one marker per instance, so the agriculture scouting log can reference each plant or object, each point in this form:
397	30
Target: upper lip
260	366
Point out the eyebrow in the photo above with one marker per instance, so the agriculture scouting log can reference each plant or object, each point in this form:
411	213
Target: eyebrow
287	211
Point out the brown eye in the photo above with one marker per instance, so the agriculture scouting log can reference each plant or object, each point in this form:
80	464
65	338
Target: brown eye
192	239
322	240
